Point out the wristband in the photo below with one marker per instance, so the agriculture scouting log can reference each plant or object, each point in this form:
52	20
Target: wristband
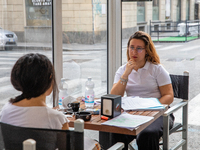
123	81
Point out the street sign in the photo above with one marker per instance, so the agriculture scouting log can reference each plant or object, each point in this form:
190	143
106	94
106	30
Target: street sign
135	0
41	2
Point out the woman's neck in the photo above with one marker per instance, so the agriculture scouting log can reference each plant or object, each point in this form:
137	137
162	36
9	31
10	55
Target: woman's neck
37	101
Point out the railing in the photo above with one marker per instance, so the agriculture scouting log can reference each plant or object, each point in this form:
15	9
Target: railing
172	31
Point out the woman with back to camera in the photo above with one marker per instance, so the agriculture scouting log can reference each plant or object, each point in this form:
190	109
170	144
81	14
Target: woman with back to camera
144	76
34	76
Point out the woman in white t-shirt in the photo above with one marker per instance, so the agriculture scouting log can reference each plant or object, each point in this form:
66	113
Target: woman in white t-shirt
34	76
144	76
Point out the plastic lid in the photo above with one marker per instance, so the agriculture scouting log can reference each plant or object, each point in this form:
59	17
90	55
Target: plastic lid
89	78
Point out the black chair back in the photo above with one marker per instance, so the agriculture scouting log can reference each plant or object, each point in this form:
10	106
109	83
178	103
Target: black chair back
180	84
12	137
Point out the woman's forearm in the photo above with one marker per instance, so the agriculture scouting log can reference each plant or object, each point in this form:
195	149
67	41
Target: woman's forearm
166	99
118	88
167	95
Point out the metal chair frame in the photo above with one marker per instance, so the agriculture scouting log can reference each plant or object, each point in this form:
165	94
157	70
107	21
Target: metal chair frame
183	93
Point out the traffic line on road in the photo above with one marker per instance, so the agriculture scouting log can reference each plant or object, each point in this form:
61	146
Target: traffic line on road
6	88
8	58
6	63
156	46
190	48
9	68
170	47
4	79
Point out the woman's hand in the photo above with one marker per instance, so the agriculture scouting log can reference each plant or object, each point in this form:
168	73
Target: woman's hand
129	67
119	87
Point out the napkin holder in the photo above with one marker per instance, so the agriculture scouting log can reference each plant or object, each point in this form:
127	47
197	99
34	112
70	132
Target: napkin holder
111	105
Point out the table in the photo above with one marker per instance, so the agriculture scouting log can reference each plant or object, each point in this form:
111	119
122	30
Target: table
95	124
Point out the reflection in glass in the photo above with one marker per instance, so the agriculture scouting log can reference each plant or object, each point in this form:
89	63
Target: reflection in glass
168	9
85	46
26	28
155	10
187	9
140	11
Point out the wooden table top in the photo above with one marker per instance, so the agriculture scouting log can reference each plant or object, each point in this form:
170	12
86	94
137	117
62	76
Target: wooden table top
95	122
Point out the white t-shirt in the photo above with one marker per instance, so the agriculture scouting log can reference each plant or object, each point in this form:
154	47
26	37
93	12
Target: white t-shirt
146	81
34	116
39	117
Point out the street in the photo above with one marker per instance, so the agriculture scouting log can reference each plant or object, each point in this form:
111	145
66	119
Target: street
78	65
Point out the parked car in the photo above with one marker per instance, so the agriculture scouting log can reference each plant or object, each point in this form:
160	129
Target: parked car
8	39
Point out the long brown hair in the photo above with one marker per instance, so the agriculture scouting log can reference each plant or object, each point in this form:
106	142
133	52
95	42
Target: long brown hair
151	55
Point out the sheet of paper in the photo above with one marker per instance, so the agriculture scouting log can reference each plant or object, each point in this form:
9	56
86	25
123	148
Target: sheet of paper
137	103
97	100
128	121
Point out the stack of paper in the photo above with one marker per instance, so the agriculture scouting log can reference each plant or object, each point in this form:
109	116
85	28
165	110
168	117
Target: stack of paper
137	103
128	121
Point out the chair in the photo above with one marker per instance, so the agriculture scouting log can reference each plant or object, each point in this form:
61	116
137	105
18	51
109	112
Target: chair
180	84
12	137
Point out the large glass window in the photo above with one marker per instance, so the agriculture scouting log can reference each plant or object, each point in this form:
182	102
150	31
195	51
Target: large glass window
168	9
38	13
188	10
176	57
178	10
155	10
140	11
25	27
84	45
129	25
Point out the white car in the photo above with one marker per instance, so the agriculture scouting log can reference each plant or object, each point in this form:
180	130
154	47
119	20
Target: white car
8	39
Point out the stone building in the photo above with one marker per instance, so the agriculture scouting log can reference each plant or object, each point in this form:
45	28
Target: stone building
31	19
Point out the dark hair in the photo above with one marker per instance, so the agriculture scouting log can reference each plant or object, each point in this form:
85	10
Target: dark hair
151	55
32	74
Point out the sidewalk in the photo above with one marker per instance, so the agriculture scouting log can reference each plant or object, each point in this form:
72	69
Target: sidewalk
67	47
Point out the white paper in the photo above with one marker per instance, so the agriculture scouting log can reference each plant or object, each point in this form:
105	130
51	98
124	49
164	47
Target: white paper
97	100
128	121
137	103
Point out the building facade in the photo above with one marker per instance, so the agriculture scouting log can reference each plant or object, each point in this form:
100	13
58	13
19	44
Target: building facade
31	19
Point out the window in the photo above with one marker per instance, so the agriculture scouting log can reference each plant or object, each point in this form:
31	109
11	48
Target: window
155	10
188	10
38	13
84	45
140	11
29	28
168	9
178	11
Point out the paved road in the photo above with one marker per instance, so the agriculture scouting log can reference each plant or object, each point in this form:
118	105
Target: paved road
176	57
81	63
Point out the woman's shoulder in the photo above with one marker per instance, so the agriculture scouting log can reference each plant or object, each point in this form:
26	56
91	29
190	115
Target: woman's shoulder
8	105
57	117
123	67
153	66
54	112
156	69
